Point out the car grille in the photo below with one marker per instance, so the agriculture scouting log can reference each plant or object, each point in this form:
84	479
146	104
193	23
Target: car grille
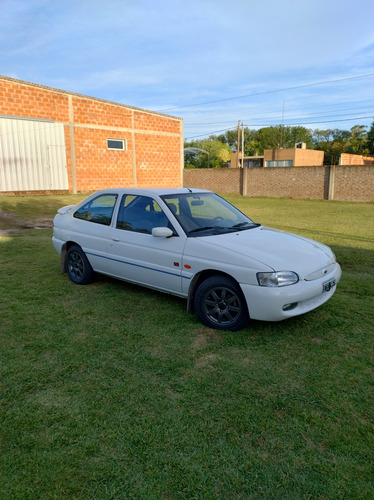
324	271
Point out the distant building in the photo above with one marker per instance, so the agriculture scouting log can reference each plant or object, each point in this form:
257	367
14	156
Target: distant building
298	156
293	157
247	162
348	159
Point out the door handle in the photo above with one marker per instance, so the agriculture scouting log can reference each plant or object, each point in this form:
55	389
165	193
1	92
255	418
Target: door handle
115	238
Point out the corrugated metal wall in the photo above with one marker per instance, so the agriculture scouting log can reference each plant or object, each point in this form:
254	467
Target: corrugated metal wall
32	155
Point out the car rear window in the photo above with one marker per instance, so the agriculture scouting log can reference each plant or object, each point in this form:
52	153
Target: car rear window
98	210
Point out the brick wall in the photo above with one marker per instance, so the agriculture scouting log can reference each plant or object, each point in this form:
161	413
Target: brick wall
27	100
97	166
293	182
156	156
223	180
354	183
154	153
342	183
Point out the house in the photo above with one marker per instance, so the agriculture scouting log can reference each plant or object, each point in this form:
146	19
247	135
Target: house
53	140
351	159
298	156
247	161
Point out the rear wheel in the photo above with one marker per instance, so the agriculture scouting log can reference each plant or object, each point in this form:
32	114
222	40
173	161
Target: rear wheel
77	266
220	304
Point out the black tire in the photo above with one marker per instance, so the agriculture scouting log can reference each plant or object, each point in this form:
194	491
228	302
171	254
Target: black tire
220	304
77	266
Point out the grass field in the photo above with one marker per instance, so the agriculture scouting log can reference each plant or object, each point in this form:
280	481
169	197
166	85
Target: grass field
111	391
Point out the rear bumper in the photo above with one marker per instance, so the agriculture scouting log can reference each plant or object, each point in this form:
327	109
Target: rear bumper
58	244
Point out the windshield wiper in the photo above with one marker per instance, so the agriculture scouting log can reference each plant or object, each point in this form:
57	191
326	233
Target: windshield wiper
245	225
198	229
241	226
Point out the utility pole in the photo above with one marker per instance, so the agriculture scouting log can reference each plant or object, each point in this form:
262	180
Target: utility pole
281	130
242	144
238	146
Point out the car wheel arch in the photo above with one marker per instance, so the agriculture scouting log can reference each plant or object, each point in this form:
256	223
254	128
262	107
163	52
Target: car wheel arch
199	278
220	303
63	258
78	266
64	250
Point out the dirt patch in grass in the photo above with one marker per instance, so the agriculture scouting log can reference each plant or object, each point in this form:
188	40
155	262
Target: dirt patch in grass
7	215
16	224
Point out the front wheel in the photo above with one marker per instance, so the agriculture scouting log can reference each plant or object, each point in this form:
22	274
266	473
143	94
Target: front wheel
220	304
77	266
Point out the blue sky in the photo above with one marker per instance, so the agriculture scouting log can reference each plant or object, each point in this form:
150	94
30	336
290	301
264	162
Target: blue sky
211	62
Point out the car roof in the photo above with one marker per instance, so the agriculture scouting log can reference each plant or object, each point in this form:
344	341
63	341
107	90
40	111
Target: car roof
151	191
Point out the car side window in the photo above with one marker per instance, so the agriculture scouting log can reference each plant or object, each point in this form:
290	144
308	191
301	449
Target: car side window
98	210
140	214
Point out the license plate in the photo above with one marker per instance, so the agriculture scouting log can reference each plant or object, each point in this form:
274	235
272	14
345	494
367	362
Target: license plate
329	284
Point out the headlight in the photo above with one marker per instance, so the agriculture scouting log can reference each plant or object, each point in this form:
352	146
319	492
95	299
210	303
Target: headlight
281	278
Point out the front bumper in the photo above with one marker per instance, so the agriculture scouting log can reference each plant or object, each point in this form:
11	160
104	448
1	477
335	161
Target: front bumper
267	303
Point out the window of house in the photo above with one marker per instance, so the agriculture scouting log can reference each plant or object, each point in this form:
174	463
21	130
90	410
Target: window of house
99	210
119	144
280	163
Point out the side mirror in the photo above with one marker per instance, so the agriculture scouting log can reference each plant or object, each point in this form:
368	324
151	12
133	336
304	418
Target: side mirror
162	232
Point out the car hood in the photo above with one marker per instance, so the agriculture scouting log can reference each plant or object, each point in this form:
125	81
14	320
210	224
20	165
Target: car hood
277	249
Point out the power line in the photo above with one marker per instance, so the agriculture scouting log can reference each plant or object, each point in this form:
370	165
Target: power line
291	125
327	82
211	133
289	117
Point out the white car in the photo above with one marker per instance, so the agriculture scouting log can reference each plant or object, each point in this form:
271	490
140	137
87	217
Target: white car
194	244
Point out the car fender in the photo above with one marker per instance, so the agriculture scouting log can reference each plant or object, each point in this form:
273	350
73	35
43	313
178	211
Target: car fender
202	255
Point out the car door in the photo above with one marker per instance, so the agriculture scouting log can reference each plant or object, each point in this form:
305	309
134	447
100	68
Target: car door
91	228
137	256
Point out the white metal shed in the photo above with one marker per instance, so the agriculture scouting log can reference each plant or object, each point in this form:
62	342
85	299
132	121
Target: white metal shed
32	155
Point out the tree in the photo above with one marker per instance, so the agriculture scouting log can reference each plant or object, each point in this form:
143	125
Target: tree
334	142
215	151
280	136
370	140
230	137
292	135
255	141
358	141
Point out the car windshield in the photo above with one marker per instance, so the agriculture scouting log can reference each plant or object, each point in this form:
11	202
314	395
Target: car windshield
202	214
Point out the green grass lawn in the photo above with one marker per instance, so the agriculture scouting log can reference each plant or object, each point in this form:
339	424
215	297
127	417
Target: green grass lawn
111	391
